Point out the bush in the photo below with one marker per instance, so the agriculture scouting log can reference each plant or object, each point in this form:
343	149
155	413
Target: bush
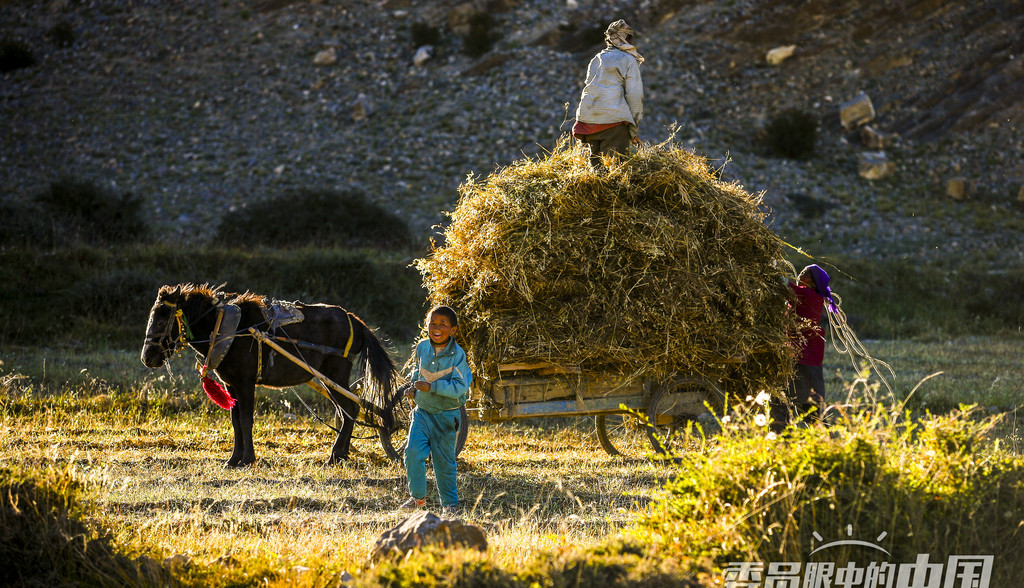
910	489
424	34
82	212
481	36
315	217
792	133
62	34
15	55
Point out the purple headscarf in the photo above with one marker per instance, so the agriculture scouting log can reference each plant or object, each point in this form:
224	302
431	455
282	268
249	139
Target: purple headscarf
821	281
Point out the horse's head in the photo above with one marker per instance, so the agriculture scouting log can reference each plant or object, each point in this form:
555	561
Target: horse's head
164	331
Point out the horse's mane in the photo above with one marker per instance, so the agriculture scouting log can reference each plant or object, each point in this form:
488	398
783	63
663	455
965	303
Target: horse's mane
247	296
211	291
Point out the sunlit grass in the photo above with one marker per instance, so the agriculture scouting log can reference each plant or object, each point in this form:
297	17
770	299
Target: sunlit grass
151	453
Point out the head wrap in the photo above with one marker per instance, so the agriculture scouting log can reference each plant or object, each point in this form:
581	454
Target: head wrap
615	36
821	280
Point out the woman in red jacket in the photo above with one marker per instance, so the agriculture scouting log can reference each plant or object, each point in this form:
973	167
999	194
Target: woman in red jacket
807	389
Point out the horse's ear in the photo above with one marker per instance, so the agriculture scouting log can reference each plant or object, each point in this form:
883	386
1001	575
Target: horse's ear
170	293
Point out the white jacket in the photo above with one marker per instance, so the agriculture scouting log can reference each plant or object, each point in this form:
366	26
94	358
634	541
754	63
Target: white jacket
613	91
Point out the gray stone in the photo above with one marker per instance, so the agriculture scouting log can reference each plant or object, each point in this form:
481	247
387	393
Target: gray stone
873	139
857	111
423	55
960	189
326	57
460	15
362	107
1020	195
874	165
425	528
779	54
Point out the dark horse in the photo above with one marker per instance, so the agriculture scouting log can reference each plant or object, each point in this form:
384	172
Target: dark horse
326	338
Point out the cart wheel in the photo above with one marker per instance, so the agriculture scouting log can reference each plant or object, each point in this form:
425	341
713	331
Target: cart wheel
620	434
394	441
673	408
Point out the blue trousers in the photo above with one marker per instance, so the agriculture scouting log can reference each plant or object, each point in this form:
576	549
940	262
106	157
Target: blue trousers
433	435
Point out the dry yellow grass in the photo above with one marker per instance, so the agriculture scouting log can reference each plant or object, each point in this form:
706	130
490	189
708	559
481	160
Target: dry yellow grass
160	485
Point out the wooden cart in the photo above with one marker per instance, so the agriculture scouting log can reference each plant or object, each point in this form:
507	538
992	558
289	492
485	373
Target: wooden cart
528	390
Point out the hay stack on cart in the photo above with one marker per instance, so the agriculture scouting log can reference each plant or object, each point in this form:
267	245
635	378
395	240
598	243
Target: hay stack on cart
650	268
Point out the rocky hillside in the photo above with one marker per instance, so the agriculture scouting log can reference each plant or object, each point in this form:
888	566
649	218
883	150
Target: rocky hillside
203	105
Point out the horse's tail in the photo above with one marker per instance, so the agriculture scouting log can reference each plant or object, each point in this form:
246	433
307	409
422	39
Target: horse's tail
380	377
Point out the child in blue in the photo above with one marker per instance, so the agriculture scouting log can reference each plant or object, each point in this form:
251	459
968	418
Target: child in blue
440	386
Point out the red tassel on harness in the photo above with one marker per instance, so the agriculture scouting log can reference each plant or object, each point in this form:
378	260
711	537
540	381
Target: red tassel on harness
216	392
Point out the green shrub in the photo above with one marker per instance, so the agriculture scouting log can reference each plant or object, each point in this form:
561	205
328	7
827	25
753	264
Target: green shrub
83	212
425	34
910	489
481	36
14	55
791	133
62	34
314	217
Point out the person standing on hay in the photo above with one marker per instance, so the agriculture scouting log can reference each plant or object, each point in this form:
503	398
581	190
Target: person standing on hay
440	386
612	102
806	392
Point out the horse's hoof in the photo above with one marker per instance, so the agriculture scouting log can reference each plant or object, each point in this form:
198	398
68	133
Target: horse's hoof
335	460
232	464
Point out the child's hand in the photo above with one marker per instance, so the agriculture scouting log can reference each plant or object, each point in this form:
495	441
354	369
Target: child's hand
422	386
410	393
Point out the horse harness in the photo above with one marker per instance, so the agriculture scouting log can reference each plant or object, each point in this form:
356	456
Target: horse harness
276	316
280	314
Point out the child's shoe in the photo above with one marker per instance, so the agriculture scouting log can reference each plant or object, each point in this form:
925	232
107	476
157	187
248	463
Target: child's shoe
414	504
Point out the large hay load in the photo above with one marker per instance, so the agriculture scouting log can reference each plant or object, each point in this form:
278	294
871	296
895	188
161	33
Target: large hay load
649	268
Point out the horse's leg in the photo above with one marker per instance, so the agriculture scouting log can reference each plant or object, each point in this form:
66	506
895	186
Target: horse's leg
236	428
339	370
245	408
347	410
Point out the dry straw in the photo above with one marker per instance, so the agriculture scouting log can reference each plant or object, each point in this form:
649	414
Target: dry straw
649	266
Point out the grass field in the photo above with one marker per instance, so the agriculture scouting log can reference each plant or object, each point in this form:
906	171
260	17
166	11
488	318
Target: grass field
151	450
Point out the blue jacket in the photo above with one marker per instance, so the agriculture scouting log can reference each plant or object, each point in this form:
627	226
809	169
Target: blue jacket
448	374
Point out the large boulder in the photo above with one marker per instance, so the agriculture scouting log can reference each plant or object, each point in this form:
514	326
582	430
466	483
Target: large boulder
425	528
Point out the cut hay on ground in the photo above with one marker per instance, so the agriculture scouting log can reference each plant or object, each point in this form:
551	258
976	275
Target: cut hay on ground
651	267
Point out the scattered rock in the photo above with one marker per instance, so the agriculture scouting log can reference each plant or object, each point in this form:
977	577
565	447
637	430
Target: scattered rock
326	57
856	112
1020	195
874	165
873	139
426	528
780	54
460	16
423	55
362	108
960	189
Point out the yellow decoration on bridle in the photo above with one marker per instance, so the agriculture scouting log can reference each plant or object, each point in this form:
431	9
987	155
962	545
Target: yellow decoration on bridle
184	332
